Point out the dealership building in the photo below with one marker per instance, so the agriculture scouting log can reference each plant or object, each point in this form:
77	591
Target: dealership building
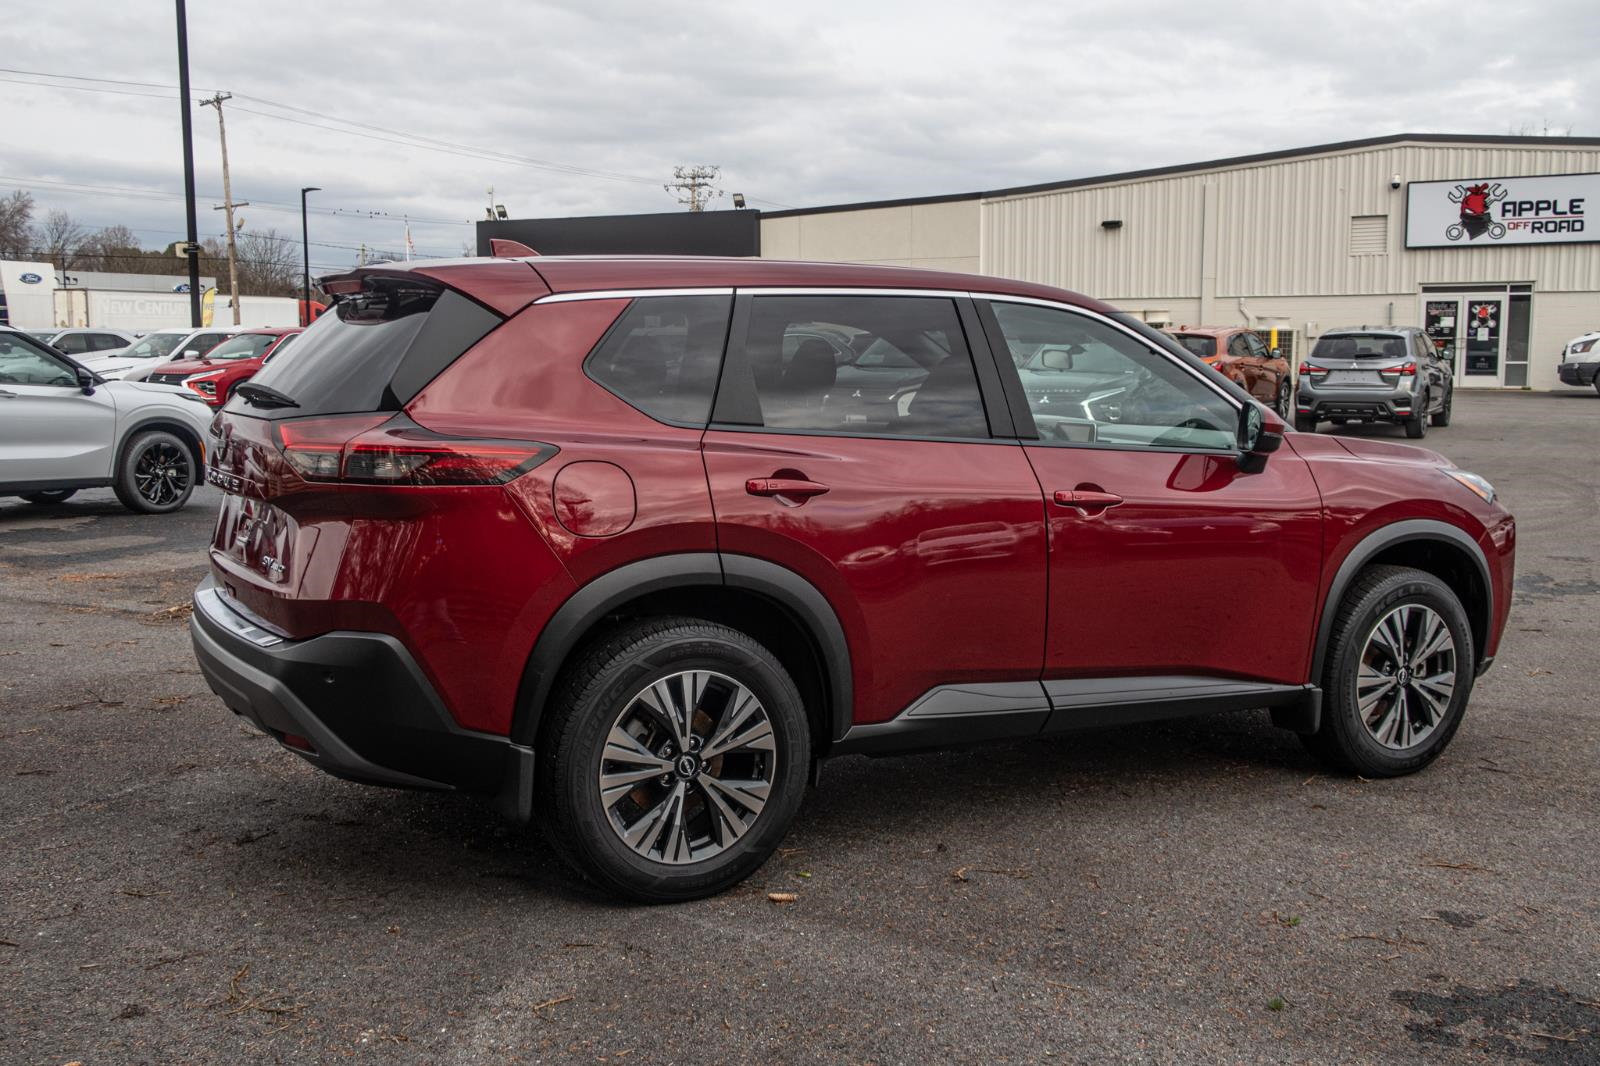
1488	242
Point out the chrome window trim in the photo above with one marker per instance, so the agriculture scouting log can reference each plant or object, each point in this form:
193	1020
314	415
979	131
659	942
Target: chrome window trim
628	294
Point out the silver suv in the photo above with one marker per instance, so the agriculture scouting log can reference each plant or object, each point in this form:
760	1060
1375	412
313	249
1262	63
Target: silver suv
1388	374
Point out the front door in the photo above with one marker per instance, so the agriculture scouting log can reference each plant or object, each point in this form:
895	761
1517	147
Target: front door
50	430
1166	559
1468	330
851	444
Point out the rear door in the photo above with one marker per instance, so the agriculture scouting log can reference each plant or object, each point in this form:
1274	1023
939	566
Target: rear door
894	492
49	429
1165	558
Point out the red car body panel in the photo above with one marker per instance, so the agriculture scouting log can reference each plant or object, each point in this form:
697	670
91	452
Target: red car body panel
944	562
224	374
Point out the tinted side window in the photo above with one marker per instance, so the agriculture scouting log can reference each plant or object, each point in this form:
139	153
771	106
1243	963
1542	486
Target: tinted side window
663	356
1257	346
22	363
1237	345
73	343
863	366
1088	382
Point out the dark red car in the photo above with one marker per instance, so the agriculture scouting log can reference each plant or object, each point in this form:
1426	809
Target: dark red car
618	542
214	374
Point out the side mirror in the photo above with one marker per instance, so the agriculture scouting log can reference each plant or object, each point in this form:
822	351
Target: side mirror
85	380
1056	358
1277	353
1260	434
191	353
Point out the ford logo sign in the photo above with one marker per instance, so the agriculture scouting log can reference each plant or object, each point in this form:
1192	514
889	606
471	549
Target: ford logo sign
181	287
30	279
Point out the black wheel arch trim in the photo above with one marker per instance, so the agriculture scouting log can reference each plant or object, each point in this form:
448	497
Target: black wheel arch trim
1406	531
614	589
166	424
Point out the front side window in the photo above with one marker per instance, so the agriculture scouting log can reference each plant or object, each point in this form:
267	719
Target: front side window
863	366
22	363
1238	346
663	355
1088	382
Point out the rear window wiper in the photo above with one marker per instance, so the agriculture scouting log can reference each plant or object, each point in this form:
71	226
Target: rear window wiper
264	395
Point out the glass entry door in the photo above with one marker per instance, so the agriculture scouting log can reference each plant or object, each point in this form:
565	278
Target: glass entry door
1468	329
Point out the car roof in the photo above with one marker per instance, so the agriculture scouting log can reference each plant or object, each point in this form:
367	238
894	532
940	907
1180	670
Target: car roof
507	285
1377	331
270	331
1211	331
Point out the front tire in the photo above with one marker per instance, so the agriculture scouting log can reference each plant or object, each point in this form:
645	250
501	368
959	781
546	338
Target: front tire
49	497
1399	671
673	761
1285	402
156	474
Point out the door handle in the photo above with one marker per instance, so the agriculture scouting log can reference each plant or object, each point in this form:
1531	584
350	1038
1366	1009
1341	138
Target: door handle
791	487
1087	500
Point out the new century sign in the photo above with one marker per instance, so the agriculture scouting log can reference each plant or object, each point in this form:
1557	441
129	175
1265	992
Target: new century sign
1477	212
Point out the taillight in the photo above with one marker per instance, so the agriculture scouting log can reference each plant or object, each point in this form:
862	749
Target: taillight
1312	368
382	450
1406	369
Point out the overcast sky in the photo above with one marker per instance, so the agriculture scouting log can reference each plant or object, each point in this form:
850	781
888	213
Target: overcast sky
800	104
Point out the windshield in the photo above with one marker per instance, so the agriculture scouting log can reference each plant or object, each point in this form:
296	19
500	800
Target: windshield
154	346
43	334
1361	346
244	346
1204	347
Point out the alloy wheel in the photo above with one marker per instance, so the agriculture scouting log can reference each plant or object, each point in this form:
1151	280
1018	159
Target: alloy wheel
688	767
161	475
1406	676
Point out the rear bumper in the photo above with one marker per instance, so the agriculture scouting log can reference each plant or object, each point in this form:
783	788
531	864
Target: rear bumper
1376	405
358	701
1578	373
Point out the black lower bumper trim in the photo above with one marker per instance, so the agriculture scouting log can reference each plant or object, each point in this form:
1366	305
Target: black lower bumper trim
360	700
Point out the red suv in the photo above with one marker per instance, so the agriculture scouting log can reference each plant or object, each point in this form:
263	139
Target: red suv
236	359
631	544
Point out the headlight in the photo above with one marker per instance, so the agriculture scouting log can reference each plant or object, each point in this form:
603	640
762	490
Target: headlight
1478	485
1579	347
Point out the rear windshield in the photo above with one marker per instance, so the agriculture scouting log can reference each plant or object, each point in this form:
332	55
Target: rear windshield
373	351
1204	347
244	346
1361	346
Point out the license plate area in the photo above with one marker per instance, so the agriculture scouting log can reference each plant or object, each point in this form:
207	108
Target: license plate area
1352	377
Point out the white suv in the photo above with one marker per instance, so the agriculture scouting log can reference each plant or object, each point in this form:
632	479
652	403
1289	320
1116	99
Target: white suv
1580	361
138	360
63	429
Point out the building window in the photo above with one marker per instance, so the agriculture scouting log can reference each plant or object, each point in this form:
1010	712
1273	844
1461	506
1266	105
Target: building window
1369	234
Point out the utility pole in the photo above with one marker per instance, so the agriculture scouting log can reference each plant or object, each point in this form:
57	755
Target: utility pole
191	248
305	262
693	186
227	204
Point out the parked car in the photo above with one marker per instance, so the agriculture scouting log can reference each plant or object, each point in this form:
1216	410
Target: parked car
554	530
214	374
76	342
1390	374
63	429
1580	361
1240	355
156	348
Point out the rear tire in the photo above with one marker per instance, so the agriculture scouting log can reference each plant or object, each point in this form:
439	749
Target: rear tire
1417	424
156	474
611	766
1390	705
1305	424
49	497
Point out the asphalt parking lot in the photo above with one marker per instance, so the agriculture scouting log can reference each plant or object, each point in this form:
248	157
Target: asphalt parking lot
178	889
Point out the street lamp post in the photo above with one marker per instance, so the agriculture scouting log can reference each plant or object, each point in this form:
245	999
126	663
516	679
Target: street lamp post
305	246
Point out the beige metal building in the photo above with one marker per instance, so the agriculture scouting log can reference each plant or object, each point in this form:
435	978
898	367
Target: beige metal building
1488	242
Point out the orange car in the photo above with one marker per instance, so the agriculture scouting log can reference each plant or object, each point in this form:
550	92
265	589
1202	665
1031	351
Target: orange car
1240	355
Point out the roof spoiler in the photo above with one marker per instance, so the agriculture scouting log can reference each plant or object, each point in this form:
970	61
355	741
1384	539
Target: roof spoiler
501	248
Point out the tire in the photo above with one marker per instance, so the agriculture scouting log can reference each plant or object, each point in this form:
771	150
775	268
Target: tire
609	834
50	497
1597	383
1441	417
1417	424
1285	402
1340	421
1305	424
156	474
1358	657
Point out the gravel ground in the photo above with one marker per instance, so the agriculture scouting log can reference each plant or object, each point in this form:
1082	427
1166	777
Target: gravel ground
175	888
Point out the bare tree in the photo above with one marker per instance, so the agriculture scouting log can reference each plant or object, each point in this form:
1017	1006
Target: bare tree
115	248
269	265
16	225
60	239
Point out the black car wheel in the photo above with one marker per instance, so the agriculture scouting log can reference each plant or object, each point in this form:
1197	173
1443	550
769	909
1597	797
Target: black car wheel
1441	417
1417	424
1305	424
675	757
1285	404
50	497
157	473
1399	670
